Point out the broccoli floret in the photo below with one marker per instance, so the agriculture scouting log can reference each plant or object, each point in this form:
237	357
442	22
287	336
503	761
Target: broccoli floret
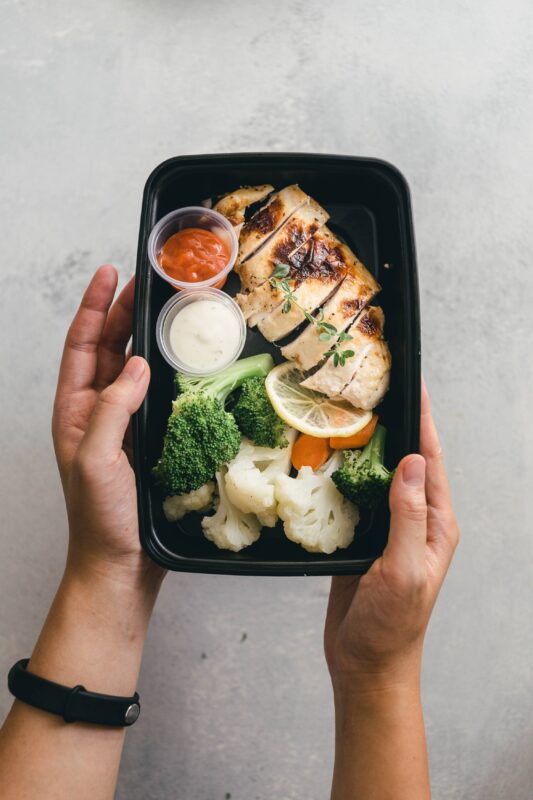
222	384
255	416
201	435
363	478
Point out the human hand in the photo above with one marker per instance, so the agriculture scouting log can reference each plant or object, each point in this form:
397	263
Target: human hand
97	392
95	630
375	624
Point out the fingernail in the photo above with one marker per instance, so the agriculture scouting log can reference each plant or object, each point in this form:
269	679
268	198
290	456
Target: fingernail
134	369
414	472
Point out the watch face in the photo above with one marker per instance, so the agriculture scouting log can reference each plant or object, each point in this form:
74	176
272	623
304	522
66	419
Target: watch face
132	714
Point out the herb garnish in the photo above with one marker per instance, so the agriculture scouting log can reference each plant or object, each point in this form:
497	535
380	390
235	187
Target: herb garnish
279	280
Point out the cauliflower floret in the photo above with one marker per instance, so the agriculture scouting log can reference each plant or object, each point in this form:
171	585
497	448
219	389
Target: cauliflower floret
229	528
314	513
177	505
251	477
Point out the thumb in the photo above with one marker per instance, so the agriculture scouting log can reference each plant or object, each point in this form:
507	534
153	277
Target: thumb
408	526
112	413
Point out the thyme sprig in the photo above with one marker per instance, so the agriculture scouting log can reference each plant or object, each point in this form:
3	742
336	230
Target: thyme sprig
279	280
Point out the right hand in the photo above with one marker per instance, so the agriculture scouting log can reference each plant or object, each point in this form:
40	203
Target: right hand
375	624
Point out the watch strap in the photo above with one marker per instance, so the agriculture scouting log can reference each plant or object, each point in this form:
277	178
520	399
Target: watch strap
74	704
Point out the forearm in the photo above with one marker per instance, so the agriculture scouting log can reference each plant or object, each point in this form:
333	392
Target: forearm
380	746
94	636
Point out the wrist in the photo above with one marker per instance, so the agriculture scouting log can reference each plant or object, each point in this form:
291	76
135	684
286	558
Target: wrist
379	739
399	675
380	703
111	605
134	576
95	631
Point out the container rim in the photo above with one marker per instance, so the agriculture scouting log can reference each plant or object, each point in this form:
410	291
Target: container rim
172	170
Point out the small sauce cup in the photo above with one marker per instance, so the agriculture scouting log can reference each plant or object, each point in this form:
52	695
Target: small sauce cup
193	217
171	310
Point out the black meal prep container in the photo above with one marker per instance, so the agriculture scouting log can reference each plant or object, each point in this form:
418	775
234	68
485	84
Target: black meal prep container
369	203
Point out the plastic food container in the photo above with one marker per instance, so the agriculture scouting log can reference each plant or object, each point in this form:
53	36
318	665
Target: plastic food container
192	217
370	208
172	308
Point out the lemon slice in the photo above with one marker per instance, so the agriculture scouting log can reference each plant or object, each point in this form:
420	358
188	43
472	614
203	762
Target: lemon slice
309	411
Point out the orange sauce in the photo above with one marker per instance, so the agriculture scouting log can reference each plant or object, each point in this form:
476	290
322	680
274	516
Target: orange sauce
194	255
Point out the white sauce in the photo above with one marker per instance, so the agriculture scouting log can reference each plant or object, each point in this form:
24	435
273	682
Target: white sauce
205	334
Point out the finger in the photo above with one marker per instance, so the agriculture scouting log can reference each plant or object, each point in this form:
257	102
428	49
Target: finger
437	489
111	416
443	529
78	364
115	337
408	526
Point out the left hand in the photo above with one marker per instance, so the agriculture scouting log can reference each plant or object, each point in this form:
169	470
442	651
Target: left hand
95	630
98	390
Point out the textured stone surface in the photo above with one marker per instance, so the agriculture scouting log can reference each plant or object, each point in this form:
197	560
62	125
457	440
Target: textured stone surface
93	96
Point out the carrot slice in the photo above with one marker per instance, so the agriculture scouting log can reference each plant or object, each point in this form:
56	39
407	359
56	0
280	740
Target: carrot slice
358	439
310	451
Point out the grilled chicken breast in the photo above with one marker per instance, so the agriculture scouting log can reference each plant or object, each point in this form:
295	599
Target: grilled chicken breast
265	222
357	289
297	230
264	298
234	204
321	270
323	273
365	331
260	300
371	380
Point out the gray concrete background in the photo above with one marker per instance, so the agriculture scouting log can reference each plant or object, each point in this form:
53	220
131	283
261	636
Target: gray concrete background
93	96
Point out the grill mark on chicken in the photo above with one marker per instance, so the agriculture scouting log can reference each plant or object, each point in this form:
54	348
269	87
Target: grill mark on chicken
370	325
266	219
317	269
234	204
288	239
324	262
344	306
297	234
265	297
313	260
351	307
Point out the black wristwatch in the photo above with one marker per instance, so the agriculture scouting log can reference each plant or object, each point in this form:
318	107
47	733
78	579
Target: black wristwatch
73	704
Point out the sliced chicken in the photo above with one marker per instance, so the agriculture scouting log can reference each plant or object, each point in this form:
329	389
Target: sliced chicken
261	300
371	380
365	331
357	289
269	219
321	270
234	204
303	223
264	298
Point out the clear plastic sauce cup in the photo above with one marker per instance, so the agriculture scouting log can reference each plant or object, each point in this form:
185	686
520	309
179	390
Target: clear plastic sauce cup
193	217
228	331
